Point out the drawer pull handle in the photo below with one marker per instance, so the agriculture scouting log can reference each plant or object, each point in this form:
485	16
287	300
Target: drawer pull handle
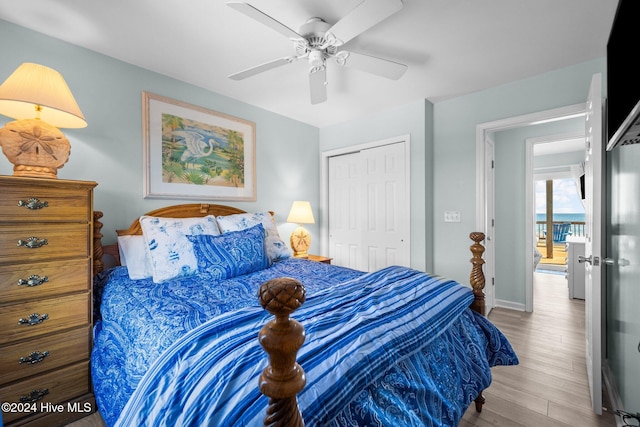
33	204
34	357
33	319
34	396
32	242
33	280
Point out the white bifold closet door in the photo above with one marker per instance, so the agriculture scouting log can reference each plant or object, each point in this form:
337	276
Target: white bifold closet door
369	218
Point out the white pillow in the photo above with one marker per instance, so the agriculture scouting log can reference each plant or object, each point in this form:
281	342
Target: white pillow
134	256
170	252
274	246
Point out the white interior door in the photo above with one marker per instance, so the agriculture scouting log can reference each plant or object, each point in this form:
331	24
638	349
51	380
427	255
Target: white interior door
594	253
386	212
369	215
345	227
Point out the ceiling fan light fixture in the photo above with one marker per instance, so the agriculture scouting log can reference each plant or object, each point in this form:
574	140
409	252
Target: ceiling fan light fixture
316	58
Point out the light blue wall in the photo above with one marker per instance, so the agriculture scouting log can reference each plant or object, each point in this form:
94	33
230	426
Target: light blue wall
416	120
109	149
455	124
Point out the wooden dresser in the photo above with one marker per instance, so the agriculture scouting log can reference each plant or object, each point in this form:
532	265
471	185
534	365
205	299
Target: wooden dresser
45	300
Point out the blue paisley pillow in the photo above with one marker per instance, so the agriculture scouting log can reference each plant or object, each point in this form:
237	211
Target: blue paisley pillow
231	254
274	246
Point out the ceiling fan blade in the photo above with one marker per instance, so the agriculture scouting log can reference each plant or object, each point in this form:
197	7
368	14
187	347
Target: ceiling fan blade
262	67
371	64
318	85
362	17
265	19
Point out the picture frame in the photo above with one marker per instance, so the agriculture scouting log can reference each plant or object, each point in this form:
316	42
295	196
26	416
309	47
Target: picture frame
194	153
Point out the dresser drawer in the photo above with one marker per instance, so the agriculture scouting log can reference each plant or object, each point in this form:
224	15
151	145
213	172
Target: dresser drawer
42	242
48	315
54	387
44	204
42	354
45	279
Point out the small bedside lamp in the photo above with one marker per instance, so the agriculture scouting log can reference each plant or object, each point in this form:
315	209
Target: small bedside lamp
300	239
40	101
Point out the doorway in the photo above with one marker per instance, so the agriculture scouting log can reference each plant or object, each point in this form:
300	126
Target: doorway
592	111
522	242
557	207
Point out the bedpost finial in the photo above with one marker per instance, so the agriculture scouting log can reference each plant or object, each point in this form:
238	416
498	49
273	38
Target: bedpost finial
477	236
282	296
281	339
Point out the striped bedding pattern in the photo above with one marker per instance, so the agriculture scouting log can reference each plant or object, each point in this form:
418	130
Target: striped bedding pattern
394	347
137	320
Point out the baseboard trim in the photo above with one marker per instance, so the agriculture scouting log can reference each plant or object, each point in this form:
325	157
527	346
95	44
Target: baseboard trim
510	305
612	391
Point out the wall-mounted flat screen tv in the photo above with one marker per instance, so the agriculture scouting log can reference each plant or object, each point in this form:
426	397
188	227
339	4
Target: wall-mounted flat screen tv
623	78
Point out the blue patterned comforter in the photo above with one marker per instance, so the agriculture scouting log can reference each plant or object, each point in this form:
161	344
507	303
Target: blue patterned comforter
395	347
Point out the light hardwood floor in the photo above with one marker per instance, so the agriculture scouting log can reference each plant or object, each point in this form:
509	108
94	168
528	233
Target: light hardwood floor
549	387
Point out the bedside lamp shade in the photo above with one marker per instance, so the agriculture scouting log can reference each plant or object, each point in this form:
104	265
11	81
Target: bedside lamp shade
300	239
40	101
33	89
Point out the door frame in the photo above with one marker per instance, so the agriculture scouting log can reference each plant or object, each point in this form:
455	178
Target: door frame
490	246
324	179
482	132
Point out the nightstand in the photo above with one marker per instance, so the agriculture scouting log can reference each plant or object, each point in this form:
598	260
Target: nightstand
318	258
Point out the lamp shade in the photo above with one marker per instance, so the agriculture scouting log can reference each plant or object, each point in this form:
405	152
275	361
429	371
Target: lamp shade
301	213
36	91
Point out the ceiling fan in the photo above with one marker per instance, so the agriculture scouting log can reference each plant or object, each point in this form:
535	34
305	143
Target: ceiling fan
316	41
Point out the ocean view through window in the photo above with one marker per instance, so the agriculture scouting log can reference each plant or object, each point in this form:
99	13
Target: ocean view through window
567	206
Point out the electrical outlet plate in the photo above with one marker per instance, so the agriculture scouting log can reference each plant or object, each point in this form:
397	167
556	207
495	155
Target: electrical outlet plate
452	216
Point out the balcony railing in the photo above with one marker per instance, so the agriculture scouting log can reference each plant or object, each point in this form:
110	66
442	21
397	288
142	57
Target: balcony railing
577	228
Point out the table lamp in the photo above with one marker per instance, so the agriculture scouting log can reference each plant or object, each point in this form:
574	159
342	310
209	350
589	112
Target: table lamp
300	239
40	101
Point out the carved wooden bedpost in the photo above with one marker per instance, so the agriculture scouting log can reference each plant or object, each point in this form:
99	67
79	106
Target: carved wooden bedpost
476	279
98	251
281	338
477	282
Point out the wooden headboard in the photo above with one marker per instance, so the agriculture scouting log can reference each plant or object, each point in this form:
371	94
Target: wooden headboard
188	210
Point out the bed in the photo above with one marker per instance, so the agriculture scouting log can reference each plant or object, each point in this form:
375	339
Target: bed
178	344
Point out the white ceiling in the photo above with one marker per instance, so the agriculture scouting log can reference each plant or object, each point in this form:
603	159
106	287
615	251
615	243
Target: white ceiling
452	47
558	147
